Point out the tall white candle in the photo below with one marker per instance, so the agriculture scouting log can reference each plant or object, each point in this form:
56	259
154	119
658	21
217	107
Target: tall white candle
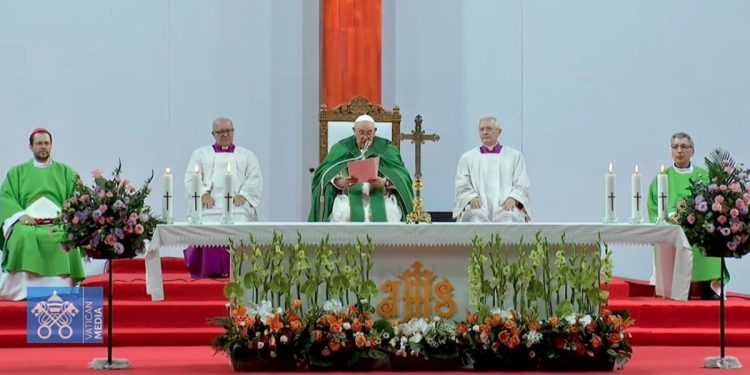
195	196
609	196
228	195
168	203
662	195
636	197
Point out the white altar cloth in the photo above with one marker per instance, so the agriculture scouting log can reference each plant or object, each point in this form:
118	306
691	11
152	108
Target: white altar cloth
673	265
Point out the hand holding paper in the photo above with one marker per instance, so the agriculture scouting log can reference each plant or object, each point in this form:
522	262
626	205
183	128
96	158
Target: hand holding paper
364	170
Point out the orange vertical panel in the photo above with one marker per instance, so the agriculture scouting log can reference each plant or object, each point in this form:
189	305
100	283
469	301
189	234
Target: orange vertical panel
351	50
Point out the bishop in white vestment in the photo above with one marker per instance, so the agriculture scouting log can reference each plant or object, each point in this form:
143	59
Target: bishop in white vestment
491	181
213	163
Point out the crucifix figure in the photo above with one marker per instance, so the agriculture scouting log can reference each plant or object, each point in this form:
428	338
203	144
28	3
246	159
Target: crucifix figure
612	201
196	199
637	197
418	136
229	200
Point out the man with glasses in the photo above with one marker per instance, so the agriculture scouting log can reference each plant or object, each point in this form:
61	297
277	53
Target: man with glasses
213	163
706	270
491	180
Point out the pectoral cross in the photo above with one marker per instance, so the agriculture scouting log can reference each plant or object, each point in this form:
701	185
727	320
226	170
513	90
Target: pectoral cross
195	200
166	197
418	136
229	199
612	201
637	197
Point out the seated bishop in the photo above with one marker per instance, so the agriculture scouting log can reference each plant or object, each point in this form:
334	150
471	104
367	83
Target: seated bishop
32	196
339	197
210	191
491	181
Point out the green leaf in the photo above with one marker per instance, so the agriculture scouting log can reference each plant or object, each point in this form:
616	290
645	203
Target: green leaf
564	308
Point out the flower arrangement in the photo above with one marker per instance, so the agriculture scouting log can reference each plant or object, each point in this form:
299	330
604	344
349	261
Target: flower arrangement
714	214
260	337
424	340
345	338
507	330
108	219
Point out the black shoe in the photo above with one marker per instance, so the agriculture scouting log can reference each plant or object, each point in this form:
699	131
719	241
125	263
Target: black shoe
707	292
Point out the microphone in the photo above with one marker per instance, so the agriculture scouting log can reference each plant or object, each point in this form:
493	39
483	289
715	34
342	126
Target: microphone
364	150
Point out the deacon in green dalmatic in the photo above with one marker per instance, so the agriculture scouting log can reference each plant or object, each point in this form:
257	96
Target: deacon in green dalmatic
32	196
386	198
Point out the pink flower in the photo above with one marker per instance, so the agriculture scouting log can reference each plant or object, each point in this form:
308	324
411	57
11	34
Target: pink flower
736	227
734	213
728	169
110	239
97	173
739	203
719	198
103	208
74	200
109	194
723	188
716	207
102	220
133	216
721	219
139	229
66	205
86	199
75	220
735	187
691	219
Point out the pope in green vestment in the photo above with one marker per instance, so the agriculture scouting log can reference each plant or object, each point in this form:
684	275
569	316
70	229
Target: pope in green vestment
36	248
391	167
678	182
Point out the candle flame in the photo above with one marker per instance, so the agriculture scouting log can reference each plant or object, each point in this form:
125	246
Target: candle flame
610	167
662	169
229	168
168	171
636	169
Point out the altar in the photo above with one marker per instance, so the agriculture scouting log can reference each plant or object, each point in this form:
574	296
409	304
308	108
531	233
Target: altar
439	248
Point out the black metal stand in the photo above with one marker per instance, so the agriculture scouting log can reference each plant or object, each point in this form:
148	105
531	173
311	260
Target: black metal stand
109	363
723	361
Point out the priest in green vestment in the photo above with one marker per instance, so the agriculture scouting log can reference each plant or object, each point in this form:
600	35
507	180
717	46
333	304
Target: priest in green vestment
387	198
706	270
32	195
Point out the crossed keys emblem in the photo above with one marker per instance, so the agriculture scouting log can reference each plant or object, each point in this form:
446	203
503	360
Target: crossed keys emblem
55	312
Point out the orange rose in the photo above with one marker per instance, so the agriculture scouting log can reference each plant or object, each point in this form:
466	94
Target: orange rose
462	329
497	319
533	326
614	337
335	346
471	318
509	324
295	325
336	327
296	303
596	341
488	320
591	327
514	341
360	340
331	319
484	328
356	325
369	323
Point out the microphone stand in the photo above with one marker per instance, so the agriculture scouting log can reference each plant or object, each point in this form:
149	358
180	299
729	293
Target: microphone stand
322	198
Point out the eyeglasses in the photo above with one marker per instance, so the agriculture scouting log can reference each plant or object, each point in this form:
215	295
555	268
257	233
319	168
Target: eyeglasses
223	132
681	147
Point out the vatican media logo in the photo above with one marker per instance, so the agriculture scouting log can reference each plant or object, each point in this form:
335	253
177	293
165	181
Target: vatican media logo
64	315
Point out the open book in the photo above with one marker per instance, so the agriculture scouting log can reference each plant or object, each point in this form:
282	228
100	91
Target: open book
364	170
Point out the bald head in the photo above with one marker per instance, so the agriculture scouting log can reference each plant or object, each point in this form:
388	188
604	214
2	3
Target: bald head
223	131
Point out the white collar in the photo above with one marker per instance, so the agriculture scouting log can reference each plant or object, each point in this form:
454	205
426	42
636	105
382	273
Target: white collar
687	170
39	164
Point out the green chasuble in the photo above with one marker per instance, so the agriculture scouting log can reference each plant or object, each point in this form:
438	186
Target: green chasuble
34	248
704	268
391	167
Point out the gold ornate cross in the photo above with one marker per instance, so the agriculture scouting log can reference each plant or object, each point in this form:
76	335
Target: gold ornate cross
418	136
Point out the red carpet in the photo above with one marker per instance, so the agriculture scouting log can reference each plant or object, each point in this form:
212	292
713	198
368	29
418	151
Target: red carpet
650	360
181	318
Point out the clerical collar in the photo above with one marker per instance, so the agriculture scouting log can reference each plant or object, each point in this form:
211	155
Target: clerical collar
494	150
218	148
39	164
688	169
